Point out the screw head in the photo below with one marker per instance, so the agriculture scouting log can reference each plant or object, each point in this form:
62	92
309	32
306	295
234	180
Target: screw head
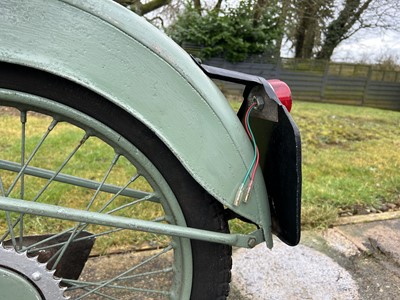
36	276
252	242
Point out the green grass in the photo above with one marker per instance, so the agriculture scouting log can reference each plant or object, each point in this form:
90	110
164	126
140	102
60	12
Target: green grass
91	162
351	158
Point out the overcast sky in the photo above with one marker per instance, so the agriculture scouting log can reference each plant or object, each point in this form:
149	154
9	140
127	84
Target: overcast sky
367	46
370	46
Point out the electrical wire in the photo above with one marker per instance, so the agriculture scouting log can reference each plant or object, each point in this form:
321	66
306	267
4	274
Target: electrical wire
251	172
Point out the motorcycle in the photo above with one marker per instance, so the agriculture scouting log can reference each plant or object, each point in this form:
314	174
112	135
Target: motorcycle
114	141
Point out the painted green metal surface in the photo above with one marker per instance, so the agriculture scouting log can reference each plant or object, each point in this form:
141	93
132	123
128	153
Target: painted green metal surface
64	213
162	193
108	49
14	286
76	181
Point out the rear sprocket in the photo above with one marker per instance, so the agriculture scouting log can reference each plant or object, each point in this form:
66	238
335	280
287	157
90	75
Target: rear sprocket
26	273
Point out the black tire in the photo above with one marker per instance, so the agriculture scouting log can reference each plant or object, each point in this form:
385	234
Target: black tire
211	262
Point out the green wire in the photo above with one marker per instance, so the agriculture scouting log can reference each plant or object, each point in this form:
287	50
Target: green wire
246	177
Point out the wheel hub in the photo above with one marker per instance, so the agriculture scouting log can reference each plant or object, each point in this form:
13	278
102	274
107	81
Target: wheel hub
24	278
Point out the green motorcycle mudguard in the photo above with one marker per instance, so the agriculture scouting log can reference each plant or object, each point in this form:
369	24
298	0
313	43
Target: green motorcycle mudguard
106	48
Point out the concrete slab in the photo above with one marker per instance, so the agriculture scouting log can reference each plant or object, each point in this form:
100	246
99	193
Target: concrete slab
289	273
358	259
383	236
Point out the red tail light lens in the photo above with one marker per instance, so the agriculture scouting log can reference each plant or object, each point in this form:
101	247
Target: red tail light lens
283	92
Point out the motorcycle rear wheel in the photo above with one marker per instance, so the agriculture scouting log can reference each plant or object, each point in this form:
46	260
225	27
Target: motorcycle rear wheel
120	167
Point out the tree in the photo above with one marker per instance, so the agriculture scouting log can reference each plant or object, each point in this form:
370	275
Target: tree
310	21
142	7
283	13
234	33
317	27
356	15
320	26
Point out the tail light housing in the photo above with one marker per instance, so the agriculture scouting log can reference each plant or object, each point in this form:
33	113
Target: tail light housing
283	92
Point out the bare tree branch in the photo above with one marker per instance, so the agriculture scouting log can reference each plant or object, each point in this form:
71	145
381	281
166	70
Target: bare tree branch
143	8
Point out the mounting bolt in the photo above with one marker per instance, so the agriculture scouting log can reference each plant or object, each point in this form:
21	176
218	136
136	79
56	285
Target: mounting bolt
260	102
252	242
36	276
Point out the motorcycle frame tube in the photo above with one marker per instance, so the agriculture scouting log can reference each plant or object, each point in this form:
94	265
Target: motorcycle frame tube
106	48
54	211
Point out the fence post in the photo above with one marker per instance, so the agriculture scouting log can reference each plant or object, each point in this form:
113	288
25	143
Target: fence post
324	80
365	94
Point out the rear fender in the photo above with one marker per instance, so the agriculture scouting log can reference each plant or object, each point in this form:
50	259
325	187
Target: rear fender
109	50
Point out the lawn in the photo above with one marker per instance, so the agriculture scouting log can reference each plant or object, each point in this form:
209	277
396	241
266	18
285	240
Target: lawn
351	160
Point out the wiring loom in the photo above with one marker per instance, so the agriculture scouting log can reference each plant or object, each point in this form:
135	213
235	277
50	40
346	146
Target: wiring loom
244	190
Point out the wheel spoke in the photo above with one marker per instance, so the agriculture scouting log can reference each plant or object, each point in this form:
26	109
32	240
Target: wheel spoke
44	241
166	270
23	142
64	163
35	247
108	282
11	231
102	294
22	192
122	189
79	283
81	226
112	165
130	204
60	252
77	181
38	145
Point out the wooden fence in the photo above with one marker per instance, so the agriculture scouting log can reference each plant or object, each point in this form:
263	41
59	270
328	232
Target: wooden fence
313	80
